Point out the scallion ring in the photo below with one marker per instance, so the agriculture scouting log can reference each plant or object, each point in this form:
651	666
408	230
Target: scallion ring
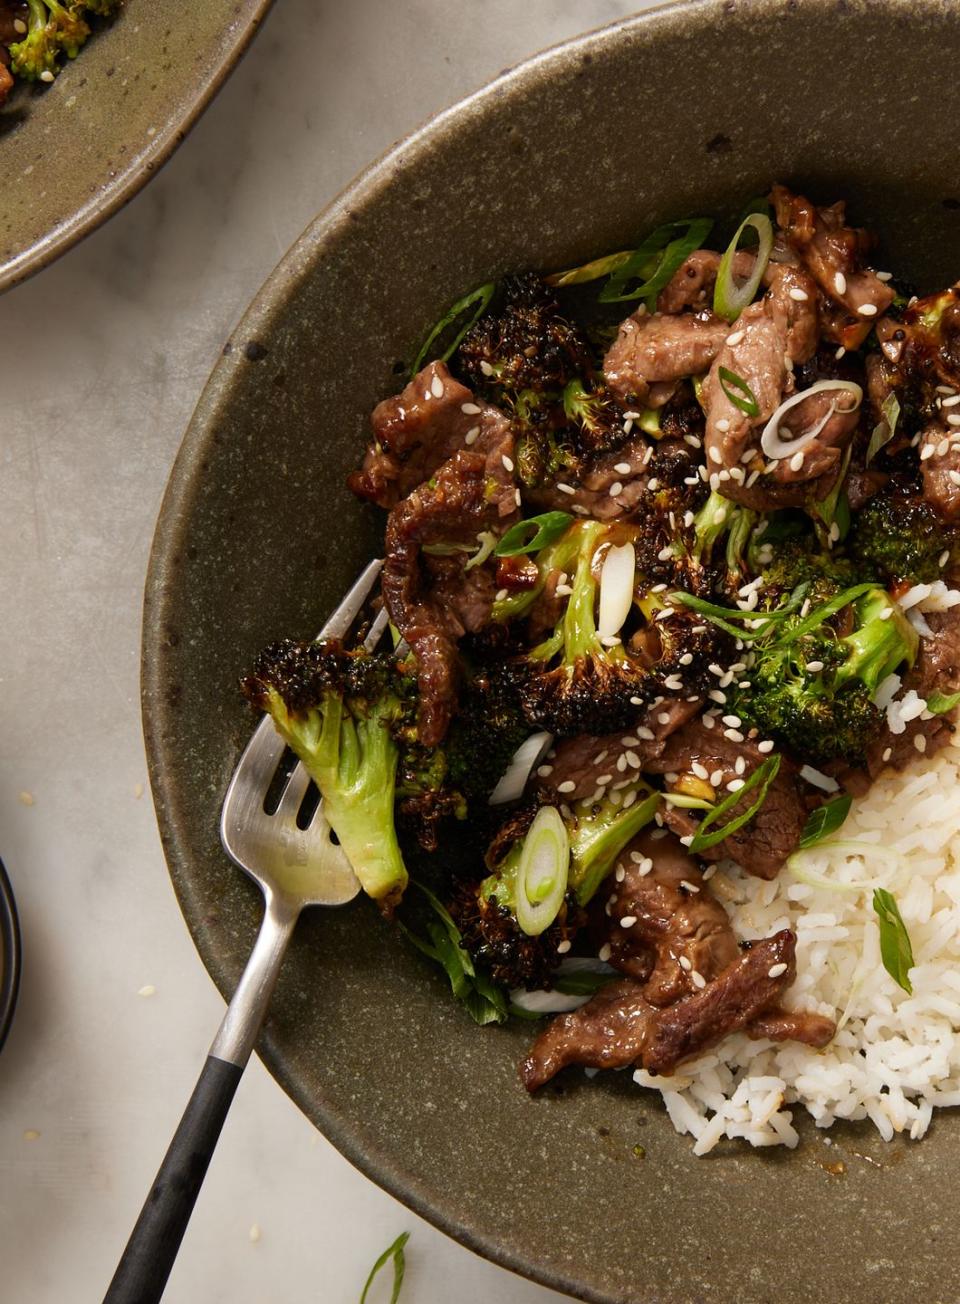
776	448
729	298
738	392
481	298
543	872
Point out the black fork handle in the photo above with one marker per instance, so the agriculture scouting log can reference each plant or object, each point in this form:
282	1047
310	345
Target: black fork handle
142	1273
155	1240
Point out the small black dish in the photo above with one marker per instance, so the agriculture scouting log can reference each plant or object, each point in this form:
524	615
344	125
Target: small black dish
9	955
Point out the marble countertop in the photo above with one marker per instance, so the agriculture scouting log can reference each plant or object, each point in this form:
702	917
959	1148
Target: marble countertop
105	355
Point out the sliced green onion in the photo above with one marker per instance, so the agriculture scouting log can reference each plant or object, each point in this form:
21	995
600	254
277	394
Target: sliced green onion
485	1001
895	949
761	778
460	311
776	448
885	428
487	541
730	299
394	1252
534	533
592	271
656	260
826	819
835	508
543	872
685	802
738	392
940	703
723	617
823	612
649	422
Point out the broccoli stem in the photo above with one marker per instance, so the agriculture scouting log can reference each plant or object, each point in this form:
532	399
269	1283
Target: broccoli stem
883	640
600	835
579	624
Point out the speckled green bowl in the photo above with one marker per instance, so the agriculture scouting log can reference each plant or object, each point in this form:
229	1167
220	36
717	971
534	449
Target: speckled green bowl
73	153
693	108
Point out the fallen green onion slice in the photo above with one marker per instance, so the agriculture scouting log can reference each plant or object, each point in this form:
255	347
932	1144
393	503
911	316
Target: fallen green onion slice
457	312
940	703
885	428
543	872
823	821
394	1252
534	533
656	271
895	949
738	392
761	778
730	299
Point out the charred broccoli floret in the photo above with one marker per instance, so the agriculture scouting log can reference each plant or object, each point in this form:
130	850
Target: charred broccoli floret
798	560
812	690
486	731
596	417
337	711
53	29
575	681
527	344
718	521
898	536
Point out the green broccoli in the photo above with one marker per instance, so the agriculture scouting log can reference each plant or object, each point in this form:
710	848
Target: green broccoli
338	711
898	536
812	690
719	517
52	29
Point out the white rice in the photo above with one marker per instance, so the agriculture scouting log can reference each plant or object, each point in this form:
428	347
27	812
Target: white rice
895	1056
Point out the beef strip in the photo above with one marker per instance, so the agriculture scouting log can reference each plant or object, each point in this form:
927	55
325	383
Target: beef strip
619	1026
419	429
940	463
833	252
754	349
676	919
763	843
471	492
652	347
793	1025
823	455
586	759
6	78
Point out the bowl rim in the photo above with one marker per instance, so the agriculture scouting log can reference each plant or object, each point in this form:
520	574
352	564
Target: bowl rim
10	951
143	166
184	487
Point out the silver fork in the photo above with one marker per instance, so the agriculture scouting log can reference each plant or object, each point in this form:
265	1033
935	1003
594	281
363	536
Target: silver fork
295	868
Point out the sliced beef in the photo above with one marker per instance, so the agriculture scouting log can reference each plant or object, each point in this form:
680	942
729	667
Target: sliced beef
620	1027
793	1025
834	253
660	907
763	843
468	494
419	429
795	316
824	454
938	662
652	347
940	464
753	350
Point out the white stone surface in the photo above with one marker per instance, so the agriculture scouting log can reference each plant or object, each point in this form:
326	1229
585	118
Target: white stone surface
103	357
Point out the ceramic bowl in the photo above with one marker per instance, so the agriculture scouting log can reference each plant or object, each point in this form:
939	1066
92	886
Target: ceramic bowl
72	153
692	108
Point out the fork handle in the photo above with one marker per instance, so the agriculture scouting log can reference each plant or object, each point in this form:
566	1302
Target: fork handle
142	1273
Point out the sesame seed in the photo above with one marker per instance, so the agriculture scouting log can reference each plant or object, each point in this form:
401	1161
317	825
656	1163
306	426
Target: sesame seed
568	785
699	769
517	498
752	479
839	353
611	640
734	735
739	765
616	488
643	732
840	283
636	857
943	448
652	483
693	441
716	778
733	721
544	770
623	468
735	785
564	946
943	558
502	594
887	753
19	26
46	75
920	742
470	409
605	952
927	452
620	874
716	696
953	419
814	666
708	722
723	425
797	460
715	456
951	401
638	701
884	276
946	389
628	921
563	590
723	475
735	338
686	659
603	780
507	462
472	435
674	683
436	387
698	979
685	964
566	488
833	536
867	310
776	970
799	295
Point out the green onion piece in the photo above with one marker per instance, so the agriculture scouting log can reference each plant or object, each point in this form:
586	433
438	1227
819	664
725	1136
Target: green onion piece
649	422
835	508
940	703
826	819
656	260
459	312
534	533
582	982
738	392
885	428
823	612
394	1252
762	777
895	949
687	803
592	271
730	299
484	1000
487	541
543	872
723	617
